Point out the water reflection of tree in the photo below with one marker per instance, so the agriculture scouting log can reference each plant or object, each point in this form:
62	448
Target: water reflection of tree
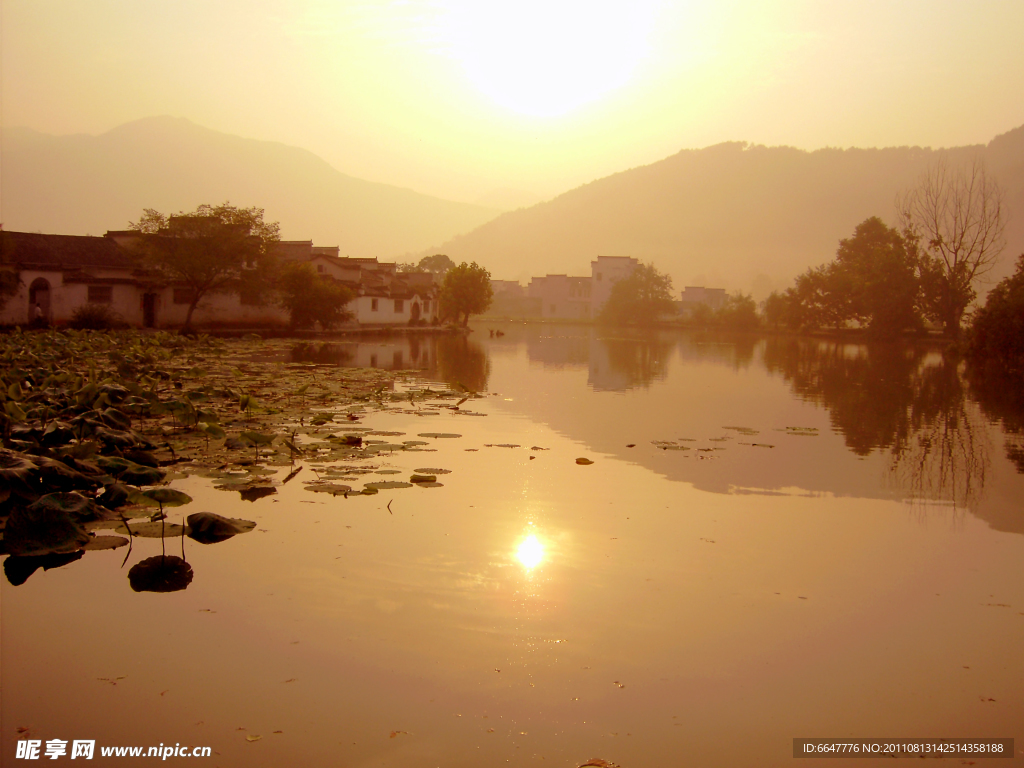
904	400
1001	397
636	361
463	362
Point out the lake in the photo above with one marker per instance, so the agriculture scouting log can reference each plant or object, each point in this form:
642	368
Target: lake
776	538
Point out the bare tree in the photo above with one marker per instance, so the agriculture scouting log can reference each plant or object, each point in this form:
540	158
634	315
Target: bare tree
957	217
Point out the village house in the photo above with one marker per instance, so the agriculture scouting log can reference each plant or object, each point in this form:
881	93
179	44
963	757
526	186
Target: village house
696	296
562	297
62	273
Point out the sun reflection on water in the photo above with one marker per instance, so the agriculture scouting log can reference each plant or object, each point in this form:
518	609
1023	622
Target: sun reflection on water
530	552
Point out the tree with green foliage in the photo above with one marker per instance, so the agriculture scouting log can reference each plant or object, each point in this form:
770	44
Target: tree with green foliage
874	281
957	216
878	272
775	310
738	313
310	298
997	329
642	298
213	249
437	264
466	291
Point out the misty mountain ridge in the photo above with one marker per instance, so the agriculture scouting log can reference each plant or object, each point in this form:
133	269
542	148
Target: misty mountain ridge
81	184
734	215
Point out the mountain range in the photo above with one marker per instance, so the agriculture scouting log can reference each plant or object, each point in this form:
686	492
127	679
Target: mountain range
735	215
83	184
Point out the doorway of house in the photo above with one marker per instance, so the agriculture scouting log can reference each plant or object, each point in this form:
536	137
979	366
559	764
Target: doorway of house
415	313
39	293
149	310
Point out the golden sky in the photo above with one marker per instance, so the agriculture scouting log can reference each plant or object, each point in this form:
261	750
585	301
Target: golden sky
460	98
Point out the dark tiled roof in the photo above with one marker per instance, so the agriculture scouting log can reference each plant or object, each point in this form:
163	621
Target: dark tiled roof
61	251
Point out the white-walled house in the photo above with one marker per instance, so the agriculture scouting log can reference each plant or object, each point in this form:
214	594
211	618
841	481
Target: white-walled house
384	296
62	273
605	272
562	297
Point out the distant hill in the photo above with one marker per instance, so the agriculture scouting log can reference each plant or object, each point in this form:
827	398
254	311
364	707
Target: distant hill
726	214
88	184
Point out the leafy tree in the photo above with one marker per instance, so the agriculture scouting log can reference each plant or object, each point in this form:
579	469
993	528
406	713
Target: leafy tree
310	298
877	271
997	330
212	249
739	313
466	291
640	299
957	215
775	310
875	280
437	264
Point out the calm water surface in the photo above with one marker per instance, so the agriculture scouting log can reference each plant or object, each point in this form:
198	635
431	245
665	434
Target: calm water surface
776	539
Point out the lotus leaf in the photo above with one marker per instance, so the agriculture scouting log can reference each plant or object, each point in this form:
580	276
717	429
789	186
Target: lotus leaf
433	471
254	492
81	508
438	434
209	528
42	530
151	529
583	460
332	488
423	479
388	484
105	542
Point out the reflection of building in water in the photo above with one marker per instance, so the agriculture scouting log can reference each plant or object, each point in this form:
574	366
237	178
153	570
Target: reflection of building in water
558	350
696	296
613	364
400	353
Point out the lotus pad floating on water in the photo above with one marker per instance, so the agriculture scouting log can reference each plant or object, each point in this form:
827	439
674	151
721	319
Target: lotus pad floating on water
332	488
438	434
42	530
151	529
209	528
388	484
583	460
432	471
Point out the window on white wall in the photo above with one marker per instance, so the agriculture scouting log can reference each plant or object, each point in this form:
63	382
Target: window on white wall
426	306
373	305
399	306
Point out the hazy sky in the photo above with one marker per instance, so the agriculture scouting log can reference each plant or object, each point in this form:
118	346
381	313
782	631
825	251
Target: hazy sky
459	98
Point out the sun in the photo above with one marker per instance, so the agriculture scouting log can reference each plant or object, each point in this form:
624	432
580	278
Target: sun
547	57
530	552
